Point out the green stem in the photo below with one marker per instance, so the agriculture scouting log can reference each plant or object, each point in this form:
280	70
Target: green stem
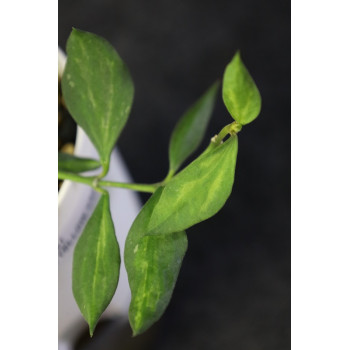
62	175
136	187
105	168
96	184
231	129
168	177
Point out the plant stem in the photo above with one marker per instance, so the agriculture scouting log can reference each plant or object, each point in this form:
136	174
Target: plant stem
232	128
136	187
105	168
168	177
62	175
96	184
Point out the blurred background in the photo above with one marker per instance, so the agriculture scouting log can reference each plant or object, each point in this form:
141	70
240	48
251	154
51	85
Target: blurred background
233	290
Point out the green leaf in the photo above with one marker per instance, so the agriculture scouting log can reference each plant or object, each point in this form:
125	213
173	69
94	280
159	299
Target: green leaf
97	89
153	264
239	92
197	192
190	129
73	164
96	264
153	252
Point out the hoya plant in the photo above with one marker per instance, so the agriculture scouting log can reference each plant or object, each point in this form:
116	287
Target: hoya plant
98	92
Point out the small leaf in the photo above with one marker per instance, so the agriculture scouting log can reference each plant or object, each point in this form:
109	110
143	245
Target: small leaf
97	90
153	264
74	164
96	264
197	192
239	92
190	129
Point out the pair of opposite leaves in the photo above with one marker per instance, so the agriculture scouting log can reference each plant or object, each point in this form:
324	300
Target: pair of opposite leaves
98	92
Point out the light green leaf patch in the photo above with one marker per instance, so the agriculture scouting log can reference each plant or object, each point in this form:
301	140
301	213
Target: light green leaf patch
197	192
239	92
74	164
152	264
190	130
96	264
97	89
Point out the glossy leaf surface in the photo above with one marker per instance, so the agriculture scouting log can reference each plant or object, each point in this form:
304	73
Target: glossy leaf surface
197	192
96	264
97	89
153	264
190	129
240	94
74	164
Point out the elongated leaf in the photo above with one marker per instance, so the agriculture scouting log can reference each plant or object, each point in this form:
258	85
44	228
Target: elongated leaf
239	92
197	192
73	164
97	90
190	129
153	252
96	264
153	264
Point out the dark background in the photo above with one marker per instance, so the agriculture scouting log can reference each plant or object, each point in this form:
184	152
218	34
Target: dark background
233	291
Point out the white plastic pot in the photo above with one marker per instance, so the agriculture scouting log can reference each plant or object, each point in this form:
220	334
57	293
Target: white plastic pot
76	202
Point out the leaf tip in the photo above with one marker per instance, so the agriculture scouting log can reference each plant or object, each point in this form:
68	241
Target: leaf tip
215	86
217	83
135	330
91	329
138	330
135	333
75	31
139	324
